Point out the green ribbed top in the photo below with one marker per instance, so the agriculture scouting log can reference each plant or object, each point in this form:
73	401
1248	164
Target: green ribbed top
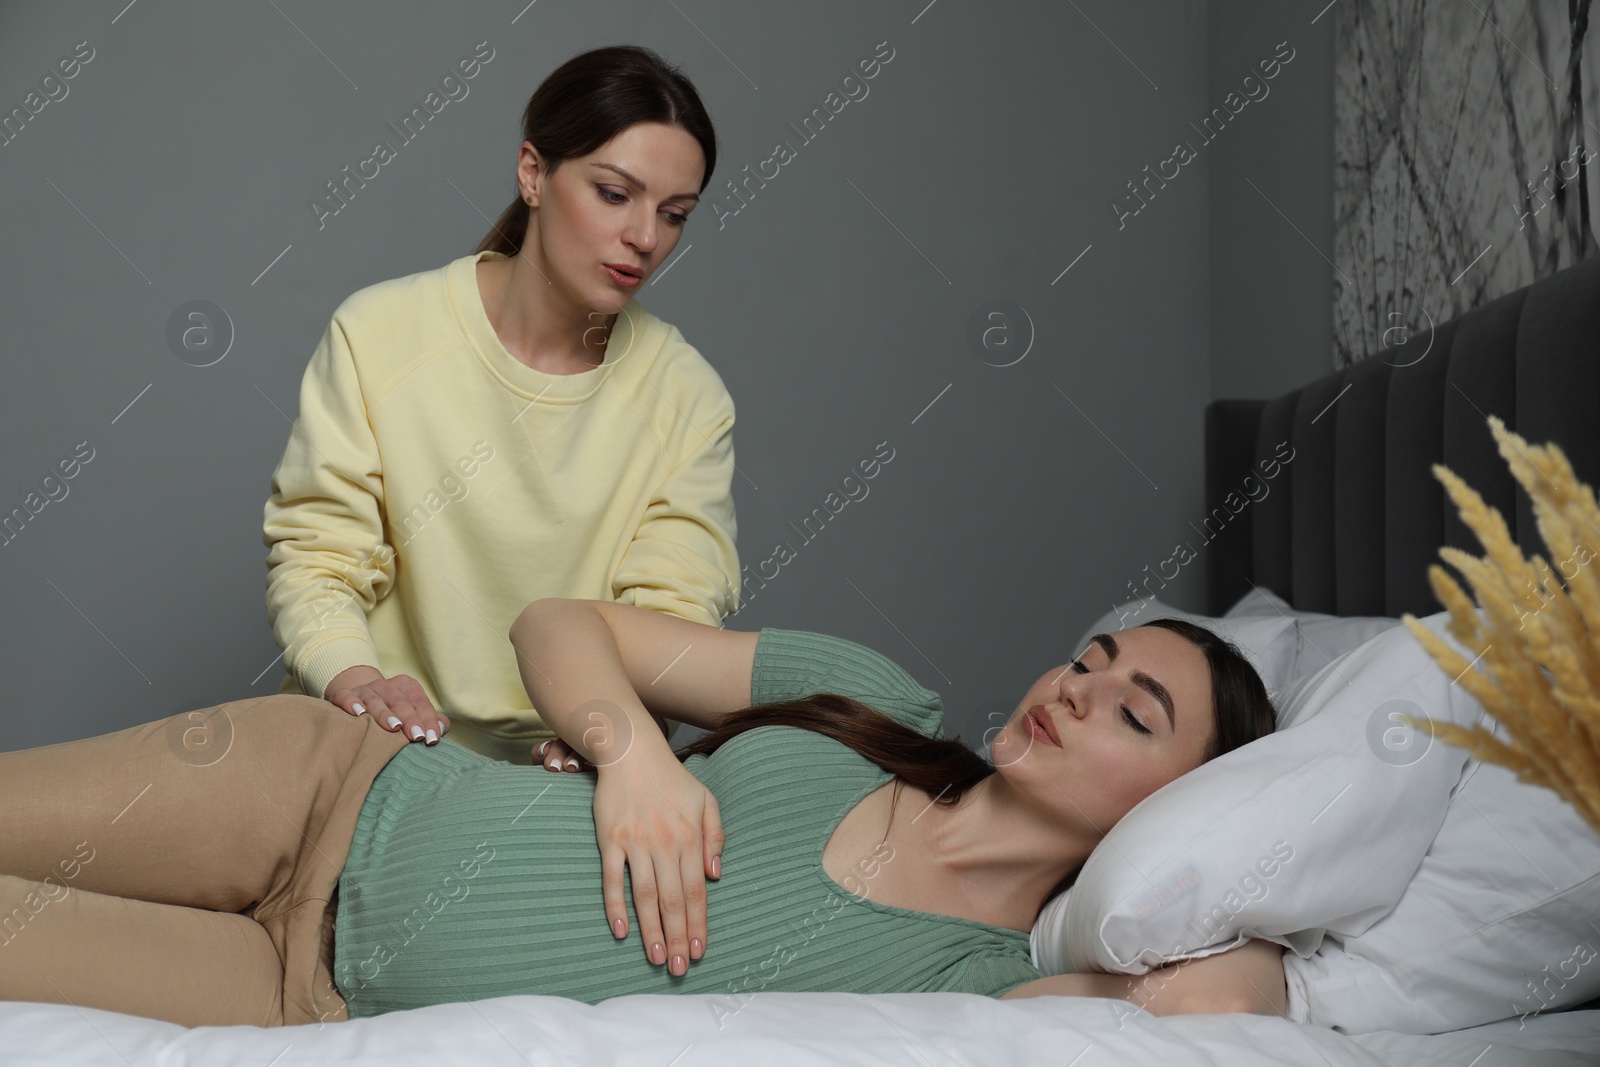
472	878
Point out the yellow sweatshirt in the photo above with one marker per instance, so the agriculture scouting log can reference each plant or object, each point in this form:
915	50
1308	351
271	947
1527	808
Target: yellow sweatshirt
433	486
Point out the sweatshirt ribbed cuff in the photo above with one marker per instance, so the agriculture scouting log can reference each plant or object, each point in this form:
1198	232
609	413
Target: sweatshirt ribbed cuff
326	661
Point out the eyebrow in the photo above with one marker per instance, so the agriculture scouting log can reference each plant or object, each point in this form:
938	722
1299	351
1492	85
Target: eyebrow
1140	678
641	186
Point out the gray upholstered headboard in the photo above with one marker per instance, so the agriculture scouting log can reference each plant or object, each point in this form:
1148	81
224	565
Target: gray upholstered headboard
1351	522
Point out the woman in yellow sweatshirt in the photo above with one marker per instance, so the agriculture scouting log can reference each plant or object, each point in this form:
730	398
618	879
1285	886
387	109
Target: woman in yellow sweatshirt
511	426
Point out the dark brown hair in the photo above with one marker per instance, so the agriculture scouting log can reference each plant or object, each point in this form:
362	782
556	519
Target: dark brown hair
590	99
945	768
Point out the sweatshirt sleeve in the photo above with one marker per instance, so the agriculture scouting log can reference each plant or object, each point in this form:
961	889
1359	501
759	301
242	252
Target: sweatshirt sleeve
682	559
327	560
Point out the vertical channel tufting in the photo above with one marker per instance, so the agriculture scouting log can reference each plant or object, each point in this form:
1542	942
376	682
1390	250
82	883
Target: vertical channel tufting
1270	543
1311	510
1558	380
1232	427
1414	501
1481	381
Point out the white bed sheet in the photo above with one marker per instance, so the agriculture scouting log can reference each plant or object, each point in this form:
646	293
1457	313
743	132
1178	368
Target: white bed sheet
835	1029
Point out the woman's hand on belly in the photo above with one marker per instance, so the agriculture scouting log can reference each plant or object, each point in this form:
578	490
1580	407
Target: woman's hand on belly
398	703
660	822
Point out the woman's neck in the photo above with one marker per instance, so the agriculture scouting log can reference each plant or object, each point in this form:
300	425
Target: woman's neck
989	849
536	322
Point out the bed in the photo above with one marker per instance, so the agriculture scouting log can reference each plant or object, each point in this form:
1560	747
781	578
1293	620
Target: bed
780	1029
1336	548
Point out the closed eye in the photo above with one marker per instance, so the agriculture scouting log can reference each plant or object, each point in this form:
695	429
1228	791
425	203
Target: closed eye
1127	715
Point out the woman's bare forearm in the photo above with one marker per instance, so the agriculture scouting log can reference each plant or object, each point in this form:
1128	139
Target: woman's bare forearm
1245	979
1248	978
575	678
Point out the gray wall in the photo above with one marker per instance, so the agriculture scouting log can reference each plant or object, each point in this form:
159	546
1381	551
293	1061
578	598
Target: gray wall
1272	201
1019	506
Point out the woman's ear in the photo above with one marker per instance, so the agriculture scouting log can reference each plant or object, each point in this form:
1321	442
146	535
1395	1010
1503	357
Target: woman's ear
530	165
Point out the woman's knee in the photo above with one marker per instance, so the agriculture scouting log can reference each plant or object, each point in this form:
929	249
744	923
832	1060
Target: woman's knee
189	966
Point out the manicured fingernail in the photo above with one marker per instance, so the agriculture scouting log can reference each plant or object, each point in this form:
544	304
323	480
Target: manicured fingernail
542	749
572	763
678	966
695	948
416	732
393	722
358	709
620	927
658	949
432	737
716	866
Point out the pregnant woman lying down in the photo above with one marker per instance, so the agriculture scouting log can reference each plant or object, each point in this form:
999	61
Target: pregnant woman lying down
264	862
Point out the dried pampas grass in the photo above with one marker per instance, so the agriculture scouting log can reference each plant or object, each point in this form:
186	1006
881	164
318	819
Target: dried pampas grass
1537	644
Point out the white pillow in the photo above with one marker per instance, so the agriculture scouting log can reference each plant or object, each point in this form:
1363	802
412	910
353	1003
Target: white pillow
1321	639
1502	919
1317	828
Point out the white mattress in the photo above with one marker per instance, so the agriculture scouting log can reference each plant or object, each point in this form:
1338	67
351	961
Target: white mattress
923	1029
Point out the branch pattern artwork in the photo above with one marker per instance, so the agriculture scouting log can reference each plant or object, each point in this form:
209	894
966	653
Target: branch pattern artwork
1466	158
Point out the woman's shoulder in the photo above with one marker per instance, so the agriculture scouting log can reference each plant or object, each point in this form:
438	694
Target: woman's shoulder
388	294
668	358
995	970
388	325
667	378
793	664
412	308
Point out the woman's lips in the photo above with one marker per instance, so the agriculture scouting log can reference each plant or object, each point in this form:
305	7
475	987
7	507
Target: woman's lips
627	281
1038	726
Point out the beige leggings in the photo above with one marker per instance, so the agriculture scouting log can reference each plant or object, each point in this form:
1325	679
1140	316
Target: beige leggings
185	869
